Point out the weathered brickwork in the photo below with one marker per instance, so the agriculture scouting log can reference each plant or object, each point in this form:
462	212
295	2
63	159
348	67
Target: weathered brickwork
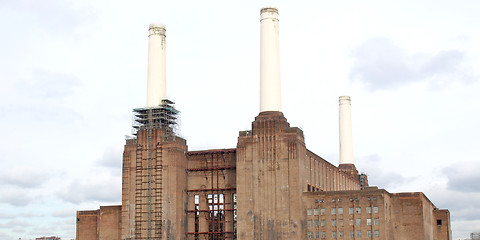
269	187
104	223
373	213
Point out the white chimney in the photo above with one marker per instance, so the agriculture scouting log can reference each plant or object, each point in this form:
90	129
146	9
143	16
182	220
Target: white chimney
156	76
346	143
270	89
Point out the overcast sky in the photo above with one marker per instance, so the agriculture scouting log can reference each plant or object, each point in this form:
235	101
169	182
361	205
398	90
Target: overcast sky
71	72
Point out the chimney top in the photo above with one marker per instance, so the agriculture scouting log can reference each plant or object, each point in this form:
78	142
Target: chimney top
156	29
269	9
156	25
344	98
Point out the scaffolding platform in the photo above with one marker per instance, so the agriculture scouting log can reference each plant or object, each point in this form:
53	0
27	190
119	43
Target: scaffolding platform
164	116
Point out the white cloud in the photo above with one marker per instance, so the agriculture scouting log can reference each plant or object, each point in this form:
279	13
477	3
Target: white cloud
24	177
380	64
101	187
72	71
15	224
464	177
17	197
65	213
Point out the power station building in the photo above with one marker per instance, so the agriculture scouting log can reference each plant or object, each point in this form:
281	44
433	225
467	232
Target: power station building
270	186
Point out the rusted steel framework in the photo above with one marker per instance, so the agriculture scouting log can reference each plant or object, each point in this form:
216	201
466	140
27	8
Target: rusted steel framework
214	218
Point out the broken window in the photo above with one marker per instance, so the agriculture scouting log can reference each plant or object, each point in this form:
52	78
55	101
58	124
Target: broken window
216	216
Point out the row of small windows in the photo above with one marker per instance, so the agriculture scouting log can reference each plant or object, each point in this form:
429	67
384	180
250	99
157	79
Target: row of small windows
351	199
333	211
340	234
358	222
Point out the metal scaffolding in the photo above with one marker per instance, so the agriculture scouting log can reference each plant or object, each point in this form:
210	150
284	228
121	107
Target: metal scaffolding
164	116
149	190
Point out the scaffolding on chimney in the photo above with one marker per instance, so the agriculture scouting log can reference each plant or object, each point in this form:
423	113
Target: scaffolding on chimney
149	198
164	116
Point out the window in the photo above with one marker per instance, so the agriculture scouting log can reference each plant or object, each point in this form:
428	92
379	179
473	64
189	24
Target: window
322	211
377	233
216	214
375	221
334	222
310	235
340	234
339	200
309	223
317	235
352	234
369	233
309	212
334	234
359	221
350	210
324	235
358	210
369	209
340	222
375	209
197	217
315	211
351	222
316	223
359	233
334	210
340	210
439	222
374	198
323	223
369	221
322	201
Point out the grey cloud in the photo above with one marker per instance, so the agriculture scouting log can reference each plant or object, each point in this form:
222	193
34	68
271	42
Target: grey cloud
112	157
44	231
63	213
463	206
14	224
380	177
103	188
19	230
380	64
464	177
5	236
24	177
23	215
16	197
6	215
